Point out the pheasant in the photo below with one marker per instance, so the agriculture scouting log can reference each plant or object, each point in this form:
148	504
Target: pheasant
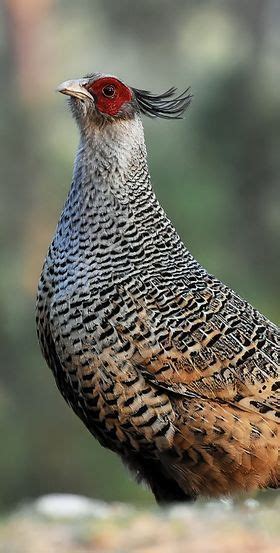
164	364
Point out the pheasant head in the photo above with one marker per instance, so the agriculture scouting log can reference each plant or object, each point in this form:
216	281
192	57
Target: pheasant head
100	99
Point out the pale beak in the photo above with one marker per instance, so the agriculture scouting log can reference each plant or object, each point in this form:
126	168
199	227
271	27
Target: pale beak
75	88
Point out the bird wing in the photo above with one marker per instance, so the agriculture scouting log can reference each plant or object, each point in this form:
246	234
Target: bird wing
205	342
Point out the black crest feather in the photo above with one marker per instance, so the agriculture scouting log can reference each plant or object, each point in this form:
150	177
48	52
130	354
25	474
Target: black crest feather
167	105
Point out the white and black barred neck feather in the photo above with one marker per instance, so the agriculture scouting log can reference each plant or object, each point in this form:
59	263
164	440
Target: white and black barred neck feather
167	105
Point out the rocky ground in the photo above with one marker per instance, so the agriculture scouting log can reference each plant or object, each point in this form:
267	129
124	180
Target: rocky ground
72	524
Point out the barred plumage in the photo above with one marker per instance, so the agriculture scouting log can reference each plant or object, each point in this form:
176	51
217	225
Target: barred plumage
164	364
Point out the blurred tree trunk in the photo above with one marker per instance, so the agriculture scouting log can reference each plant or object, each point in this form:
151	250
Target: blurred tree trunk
25	18
29	54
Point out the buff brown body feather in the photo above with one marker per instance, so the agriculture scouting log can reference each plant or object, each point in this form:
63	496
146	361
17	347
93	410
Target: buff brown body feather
164	364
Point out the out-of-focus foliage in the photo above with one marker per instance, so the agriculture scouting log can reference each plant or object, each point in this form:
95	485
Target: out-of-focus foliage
216	173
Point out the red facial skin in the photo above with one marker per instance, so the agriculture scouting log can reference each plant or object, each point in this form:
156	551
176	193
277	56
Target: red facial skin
109	105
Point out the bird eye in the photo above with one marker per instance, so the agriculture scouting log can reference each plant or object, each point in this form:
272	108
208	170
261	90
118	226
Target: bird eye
109	91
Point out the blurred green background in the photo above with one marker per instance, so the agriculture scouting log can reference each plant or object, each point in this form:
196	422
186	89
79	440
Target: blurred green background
216	173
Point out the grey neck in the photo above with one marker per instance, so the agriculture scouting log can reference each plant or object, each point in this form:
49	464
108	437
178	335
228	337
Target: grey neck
111	210
108	160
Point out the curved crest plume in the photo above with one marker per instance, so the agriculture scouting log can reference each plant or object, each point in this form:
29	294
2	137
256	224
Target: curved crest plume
167	105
